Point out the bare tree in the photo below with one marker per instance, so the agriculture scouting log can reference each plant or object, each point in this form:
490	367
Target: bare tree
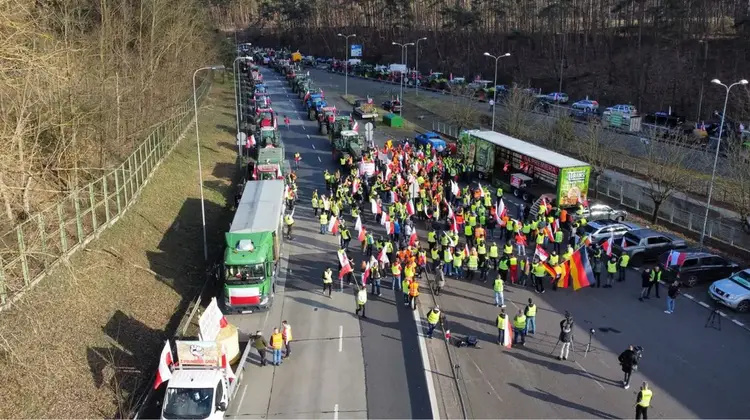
735	190
461	110
594	148
561	135
665	168
515	113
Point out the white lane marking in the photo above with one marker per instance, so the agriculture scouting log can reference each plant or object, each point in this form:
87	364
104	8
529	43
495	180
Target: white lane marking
242	398
722	314
703	304
590	375
738	323
303	127
313	144
319	160
605	365
308	137
336	412
492	388
341	338
687	295
427	367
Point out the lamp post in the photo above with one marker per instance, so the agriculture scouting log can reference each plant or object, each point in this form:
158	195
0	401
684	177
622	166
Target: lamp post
238	106
562	61
346	63
716	156
494	96
200	167
404	48
703	78
416	66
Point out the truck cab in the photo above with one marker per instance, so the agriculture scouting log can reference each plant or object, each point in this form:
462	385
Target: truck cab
196	393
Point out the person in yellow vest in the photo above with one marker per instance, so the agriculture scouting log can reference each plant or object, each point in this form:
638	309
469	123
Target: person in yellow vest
314	202
498	288
513	274
405	289
361	300
327	281
472	264
494	254
289	222
433	317
611	271
554	259
623	261
323	223
277	341
286	335
396	273
539	274
519	328
501	326
458	261
558	240
469	234
413	294
508	248
568	254
530	313
643	402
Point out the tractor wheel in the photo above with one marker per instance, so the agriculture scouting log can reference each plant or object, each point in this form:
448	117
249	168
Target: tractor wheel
311	115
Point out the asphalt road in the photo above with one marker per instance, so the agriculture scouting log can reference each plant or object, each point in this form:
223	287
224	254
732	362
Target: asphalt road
341	366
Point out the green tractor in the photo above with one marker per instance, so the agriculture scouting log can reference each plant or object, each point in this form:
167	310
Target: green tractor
340	123
297	82
266	136
348	143
303	86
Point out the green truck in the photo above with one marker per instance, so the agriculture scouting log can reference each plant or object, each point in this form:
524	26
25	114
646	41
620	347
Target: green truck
253	248
527	170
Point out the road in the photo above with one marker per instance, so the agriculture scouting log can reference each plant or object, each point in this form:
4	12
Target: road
695	371
341	366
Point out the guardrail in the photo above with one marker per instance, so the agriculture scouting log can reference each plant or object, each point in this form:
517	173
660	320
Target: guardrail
34	247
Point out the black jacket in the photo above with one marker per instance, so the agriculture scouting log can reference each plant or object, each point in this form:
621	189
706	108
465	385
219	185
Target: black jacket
645	278
627	360
673	291
566	330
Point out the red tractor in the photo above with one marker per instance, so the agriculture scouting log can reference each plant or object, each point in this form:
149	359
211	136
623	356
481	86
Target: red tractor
326	118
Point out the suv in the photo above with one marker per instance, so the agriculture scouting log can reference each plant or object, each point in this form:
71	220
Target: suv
694	266
733	291
604	229
601	211
646	245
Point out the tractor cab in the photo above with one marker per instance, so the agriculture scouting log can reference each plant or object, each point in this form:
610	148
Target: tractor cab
268	136
261	88
266	117
327	114
269	164
349	143
340	123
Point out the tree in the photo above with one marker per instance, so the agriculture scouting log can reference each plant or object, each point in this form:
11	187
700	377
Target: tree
462	110
561	134
664	168
515	114
735	189
593	148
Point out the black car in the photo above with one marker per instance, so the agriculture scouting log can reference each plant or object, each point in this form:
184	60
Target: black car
393	106
646	245
692	267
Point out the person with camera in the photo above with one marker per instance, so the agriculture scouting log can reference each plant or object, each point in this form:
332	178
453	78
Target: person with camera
566	336
629	362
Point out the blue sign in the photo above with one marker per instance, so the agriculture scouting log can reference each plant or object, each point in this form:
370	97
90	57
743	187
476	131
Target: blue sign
356	51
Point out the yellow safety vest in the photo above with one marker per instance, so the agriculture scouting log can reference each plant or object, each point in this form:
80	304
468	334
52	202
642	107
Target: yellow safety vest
498	287
611	267
501	321
554	259
624	260
396	270
431	237
493	251
655	276
539	270
447	255
276	339
503	264
646	395
481	249
566	256
559	236
289	220
323	219
408	271
468	230
513	261
435	254
473	262
458	259
405	285
519	322
433	317
327	279
362	297
473	220
508	249
531	310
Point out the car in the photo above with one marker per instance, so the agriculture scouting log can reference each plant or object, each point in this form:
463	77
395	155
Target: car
605	229
625	110
587	105
393	106
601	211
644	245
733	291
691	267
433	139
557	97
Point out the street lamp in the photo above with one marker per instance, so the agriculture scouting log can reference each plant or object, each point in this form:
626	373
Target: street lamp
238	107
562	61
716	156
346	64
200	168
703	77
404	47
416	66
494	96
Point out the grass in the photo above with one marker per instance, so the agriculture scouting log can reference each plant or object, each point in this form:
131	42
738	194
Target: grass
84	342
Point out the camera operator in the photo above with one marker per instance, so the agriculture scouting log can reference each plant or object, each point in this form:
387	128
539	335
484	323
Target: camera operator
629	362
566	335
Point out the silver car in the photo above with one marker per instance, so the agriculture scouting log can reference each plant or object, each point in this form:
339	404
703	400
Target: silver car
602	229
733	291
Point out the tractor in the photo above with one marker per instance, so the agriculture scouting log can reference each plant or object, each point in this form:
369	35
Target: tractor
312	105
266	136
297	81
303	87
264	117
326	117
348	143
340	123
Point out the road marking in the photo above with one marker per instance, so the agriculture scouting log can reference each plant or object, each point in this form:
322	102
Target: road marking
738	323
341	339
492	388
319	160
336	412
722	314
308	137
242	398
427	367
590	375
687	296
303	127
703	304
313	144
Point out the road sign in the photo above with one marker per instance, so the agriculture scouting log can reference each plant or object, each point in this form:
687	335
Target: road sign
241	138
368	131
356	50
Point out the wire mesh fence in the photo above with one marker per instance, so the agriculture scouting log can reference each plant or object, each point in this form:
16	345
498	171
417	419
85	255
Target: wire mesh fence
32	248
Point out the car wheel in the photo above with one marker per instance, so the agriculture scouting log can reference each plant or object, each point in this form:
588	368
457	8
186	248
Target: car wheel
692	281
526	197
516	193
743	306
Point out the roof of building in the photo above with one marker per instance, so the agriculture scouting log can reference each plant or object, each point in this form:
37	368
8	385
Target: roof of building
531	150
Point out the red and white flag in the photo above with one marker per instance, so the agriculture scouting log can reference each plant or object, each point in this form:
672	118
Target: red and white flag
454	226
541	253
345	270
355	186
374	206
548	232
623	243
366	274
450	209
675	258
355	125
454	189
389	228
165	363
394	197
413	238
608	245
250	141
466	251
362	235
556	225
333	225
508	336
358	224
500	211
410	207
481	190
385	219
225	365
383	257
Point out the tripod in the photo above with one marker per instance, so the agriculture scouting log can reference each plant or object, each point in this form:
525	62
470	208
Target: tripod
588	346
714	319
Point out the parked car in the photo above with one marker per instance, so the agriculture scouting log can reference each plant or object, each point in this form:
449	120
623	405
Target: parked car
646	245
557	97
433	139
601	211
664	119
733	291
625	110
587	105
604	229
691	267
580	115
393	106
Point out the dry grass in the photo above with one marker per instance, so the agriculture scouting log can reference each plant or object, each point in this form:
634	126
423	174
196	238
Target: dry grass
83	342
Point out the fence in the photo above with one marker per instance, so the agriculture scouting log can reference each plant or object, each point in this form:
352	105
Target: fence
38	244
727	231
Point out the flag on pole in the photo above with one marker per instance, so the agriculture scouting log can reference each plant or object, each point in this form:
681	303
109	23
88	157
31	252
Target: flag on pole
556	225
454	189
450	209
454	226
548	232
541	253
225	365
410	207
413	238
580	269
385	219
374	206
358	224
362	235
346	269
623	243
394	197
389	228
251	141
466	251
366	274
675	258
355	126
165	362
383	257
508	336
501	211
333	225
481	190
608	245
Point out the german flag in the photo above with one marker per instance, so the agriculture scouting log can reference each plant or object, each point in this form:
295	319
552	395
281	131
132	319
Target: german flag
580	269
564	281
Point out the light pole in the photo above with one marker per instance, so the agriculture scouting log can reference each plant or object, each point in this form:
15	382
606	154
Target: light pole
416	67
346	63
716	156
200	167
238	106
703	78
404	48
494	87
562	61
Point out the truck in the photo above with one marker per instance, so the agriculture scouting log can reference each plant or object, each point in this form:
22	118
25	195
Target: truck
253	248
528	170
365	109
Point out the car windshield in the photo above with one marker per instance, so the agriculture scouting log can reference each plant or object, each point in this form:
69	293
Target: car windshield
631	239
742	278
188	403
247	274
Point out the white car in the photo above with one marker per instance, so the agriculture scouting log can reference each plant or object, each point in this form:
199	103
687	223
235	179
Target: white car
586	105
625	110
733	291
557	97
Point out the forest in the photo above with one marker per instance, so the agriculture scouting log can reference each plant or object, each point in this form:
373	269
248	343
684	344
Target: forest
654	54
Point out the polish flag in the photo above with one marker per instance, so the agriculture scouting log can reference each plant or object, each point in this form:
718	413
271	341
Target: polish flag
275	123
481	190
355	186
675	258
508	336
333	225
450	209
366	274
374	207
454	189
544	206
548	232
623	243
355	126
358	224
250	141
541	253
225	365
346	269
165	362
500	211
608	245
413	238
385	219
410	207
556	225
389	228
362	235
394	197
387	172
454	226
466	251
383	257
244	295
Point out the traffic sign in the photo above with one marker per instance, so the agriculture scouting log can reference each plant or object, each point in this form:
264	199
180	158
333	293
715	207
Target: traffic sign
368	131
356	50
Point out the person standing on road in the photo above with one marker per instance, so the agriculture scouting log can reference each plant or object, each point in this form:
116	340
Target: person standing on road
289	221
629	363
597	265
413	294
286	335
530	312
323	222
361	301
672	293
261	345
440	280
645	283
539	273
519	328
501	326
566	336
654	281
643	401
375	276
433	317
276	342
498	288
327	281
623	261
611	271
